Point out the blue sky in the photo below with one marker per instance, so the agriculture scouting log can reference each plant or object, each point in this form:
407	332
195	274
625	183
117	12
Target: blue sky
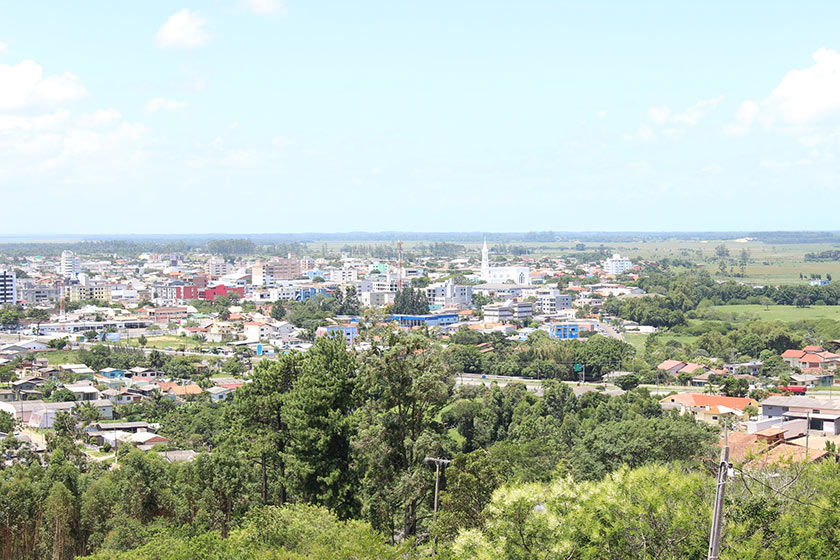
266	116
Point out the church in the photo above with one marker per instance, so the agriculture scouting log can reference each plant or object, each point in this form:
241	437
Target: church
501	274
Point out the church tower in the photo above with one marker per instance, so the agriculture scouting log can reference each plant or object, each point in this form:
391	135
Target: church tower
485	262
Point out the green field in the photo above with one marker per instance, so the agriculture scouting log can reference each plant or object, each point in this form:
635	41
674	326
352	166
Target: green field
786	313
637	340
166	341
60	357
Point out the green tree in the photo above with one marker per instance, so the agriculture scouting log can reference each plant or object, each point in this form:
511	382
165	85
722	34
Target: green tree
318	412
142	340
628	382
405	383
278	311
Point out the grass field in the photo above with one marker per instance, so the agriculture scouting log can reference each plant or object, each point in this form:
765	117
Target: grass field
786	313
166	341
60	357
637	340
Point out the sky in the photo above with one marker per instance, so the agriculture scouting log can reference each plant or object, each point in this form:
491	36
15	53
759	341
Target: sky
264	116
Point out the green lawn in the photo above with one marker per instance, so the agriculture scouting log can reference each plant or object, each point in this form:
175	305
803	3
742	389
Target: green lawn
786	313
165	341
637	340
60	357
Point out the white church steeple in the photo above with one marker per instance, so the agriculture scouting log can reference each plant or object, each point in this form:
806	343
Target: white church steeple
485	262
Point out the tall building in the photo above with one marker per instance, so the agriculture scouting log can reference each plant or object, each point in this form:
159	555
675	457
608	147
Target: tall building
216	267
267	273
550	300
447	293
8	291
500	274
617	264
70	265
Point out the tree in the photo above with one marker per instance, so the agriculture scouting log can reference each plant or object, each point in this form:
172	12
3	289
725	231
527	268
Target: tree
58	343
628	382
318	412
91	335
278	311
258	407
233	366
409	301
62	395
7	423
142	340
405	383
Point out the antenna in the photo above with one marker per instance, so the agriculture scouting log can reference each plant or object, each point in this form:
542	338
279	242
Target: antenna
400	265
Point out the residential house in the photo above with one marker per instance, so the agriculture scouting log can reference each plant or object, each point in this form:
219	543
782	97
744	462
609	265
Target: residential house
822	414
707	408
219	393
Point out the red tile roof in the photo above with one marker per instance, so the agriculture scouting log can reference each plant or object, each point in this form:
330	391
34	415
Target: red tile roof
701	400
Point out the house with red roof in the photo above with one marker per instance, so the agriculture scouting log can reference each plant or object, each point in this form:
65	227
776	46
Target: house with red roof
675	367
811	357
708	408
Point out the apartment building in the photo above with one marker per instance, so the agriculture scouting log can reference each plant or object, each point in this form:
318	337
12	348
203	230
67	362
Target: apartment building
550	301
344	275
448	293
71	266
216	267
617	264
79	292
36	291
8	287
267	273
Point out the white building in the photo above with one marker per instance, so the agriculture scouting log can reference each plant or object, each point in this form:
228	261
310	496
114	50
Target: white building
8	287
447	293
550	300
216	267
617	264
501	274
344	275
70	265
377	299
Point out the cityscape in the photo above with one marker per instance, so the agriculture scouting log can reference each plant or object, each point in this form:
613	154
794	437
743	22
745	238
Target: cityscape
460	281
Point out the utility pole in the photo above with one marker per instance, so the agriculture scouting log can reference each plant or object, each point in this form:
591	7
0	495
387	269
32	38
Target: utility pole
807	433
438	462
717	512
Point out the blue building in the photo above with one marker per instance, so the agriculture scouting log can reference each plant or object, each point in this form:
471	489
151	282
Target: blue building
303	294
564	331
112	373
349	332
425	320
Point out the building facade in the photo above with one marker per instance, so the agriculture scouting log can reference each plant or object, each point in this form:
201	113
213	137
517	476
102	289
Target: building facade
8	287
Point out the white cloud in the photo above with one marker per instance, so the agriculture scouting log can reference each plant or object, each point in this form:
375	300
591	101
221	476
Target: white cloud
161	104
746	114
602	114
25	86
101	118
645	133
3	48
281	142
696	112
10	123
660	114
808	95
267	7
805	99
183	29
239	158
